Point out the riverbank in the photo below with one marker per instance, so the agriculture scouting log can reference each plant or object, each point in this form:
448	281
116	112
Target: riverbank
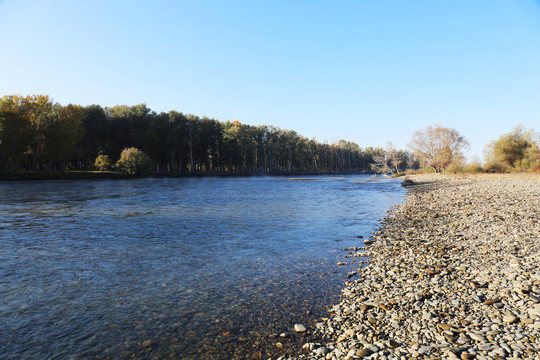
111	175
454	275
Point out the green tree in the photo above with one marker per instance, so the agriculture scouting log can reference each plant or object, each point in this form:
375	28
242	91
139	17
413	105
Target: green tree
64	134
98	137
15	132
133	162
103	163
517	149
510	148
39	110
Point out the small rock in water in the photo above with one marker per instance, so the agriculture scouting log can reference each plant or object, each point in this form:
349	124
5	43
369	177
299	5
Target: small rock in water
299	328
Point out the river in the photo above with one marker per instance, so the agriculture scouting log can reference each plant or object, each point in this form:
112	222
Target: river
179	268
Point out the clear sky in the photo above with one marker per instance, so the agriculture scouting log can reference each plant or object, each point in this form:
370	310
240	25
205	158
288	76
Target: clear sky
363	71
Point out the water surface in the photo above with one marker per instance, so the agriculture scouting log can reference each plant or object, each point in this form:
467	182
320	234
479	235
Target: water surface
210	268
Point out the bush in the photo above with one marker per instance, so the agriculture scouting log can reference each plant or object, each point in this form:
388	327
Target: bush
103	163
460	169
496	167
454	169
474	169
133	162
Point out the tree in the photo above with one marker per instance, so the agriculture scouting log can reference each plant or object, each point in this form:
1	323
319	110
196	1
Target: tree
39	109
15	132
133	162
438	147
64	134
103	163
518	149
97	134
390	160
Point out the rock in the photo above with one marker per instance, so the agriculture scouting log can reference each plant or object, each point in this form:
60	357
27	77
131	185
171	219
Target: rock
424	349
444	326
299	328
323	350
534	311
476	337
350	355
393	343
363	352
510	319
492	301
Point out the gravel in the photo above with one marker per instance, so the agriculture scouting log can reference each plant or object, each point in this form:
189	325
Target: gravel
454	274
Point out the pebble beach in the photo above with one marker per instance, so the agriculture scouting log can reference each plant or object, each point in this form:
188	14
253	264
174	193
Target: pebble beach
452	273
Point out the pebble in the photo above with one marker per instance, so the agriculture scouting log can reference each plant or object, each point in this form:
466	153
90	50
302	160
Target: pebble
363	352
299	328
510	319
424	349
476	337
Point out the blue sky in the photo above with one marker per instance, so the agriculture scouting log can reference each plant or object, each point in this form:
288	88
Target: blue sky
363	71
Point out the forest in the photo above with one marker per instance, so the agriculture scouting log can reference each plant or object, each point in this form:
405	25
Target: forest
40	135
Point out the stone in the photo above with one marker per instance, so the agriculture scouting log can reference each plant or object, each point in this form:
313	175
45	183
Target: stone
393	343
510	319
476	337
363	352
492	301
424	349
299	328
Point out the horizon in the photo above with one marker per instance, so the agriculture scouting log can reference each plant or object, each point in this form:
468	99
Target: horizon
361	72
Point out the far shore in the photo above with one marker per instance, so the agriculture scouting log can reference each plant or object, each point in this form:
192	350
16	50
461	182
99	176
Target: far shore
111	175
454	274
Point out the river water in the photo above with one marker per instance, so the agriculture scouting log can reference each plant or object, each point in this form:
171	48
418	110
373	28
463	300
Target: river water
207	268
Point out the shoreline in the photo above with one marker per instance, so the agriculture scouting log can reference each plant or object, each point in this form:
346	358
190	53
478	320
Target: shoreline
8	176
453	274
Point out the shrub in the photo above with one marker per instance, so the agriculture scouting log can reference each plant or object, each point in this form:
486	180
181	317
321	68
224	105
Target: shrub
103	163
454	169
496	167
133	162
474	168
467	169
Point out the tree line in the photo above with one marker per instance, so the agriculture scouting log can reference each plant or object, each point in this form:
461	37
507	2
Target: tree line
39	134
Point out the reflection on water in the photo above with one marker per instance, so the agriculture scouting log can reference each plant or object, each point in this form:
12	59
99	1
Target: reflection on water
212	268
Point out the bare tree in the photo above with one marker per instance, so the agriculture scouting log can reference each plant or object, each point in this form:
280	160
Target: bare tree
438	146
389	161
